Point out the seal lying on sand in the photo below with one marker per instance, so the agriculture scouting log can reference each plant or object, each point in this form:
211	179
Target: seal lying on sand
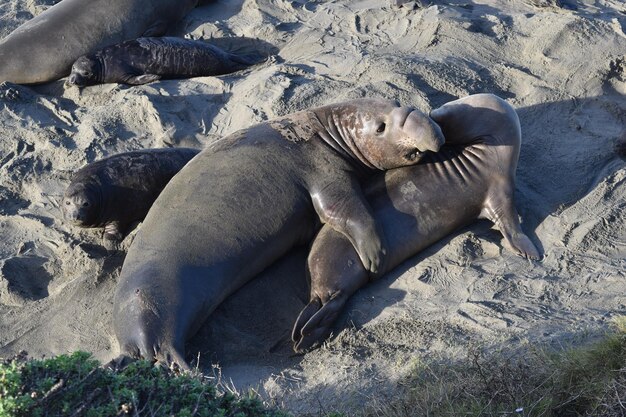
44	48
117	191
144	60
245	201
418	205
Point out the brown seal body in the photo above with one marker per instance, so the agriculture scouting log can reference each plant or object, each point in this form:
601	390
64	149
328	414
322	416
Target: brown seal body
144	60
44	48
245	201
117	191
471	177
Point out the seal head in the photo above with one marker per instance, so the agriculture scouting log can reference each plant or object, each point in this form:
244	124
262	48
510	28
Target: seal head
81	204
87	70
379	134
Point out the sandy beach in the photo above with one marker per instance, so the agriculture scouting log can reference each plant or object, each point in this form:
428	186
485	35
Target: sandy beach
561	64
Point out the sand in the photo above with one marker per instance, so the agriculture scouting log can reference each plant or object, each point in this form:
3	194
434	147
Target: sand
561	64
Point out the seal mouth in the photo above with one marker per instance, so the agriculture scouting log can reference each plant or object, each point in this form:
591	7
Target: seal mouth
413	155
74	218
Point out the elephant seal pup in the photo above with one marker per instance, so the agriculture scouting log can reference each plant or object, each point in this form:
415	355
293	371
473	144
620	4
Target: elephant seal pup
471	177
44	48
245	201
144	60
117	191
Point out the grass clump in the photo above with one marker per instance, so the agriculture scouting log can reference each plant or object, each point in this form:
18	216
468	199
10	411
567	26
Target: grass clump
75	385
583	381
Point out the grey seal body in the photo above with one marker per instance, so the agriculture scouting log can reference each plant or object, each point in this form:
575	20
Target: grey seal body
245	201
117	191
471	177
44	48
144	60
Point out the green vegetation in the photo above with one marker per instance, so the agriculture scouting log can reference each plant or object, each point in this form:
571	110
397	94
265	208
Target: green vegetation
584	381
76	385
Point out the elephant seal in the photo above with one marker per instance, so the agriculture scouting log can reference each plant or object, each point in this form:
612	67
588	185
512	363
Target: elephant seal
471	177
44	48
245	201
117	191
145	60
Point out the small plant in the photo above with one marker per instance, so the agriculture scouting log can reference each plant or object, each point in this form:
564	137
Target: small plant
75	385
583	381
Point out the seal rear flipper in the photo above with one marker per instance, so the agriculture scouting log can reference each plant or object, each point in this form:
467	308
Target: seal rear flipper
305	315
500	209
157	28
119	363
141	79
173	359
318	326
247	60
523	246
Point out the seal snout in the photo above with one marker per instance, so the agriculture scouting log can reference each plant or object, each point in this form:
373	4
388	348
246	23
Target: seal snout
427	134
72	79
85	71
76	79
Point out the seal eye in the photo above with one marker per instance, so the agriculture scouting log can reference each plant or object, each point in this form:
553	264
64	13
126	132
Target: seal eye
68	203
381	128
86	204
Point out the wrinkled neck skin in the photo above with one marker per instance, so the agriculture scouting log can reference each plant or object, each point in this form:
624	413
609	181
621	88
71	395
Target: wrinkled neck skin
341	138
490	132
96	192
100	67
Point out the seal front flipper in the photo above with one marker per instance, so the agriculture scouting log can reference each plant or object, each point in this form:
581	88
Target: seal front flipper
141	79
113	231
342	205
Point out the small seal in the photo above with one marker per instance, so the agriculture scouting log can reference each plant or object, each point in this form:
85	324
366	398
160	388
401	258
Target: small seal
44	48
471	177
145	60
117	191
249	198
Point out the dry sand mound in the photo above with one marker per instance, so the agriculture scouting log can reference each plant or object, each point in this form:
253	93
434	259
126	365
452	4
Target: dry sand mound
562	64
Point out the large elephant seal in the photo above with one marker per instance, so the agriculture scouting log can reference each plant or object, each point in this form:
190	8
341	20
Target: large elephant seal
144	60
245	201
117	191
471	177
44	48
